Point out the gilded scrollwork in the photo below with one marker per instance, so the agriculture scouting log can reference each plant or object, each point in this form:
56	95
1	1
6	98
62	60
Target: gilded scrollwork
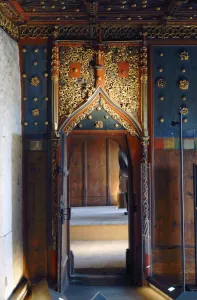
74	91
118	118
9	26
124	91
170	32
81	117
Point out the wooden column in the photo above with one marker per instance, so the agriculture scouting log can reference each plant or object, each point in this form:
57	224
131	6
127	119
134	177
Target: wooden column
145	201
55	143
144	88
55	86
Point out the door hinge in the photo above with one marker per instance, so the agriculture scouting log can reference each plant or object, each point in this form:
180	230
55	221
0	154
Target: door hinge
65	214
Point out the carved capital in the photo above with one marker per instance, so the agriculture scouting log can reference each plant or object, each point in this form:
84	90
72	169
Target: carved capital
55	64
143	62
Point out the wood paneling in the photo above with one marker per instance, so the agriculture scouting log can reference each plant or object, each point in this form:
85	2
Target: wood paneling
35	206
76	175
114	171
167	223
94	169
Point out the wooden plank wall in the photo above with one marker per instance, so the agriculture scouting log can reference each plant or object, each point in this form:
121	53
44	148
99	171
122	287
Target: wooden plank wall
93	170
36	214
167	214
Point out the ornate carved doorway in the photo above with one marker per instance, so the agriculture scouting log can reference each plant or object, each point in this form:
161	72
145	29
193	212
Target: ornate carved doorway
82	86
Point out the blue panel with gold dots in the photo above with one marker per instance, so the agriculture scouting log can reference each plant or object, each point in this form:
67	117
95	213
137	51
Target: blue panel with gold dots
35	89
174	83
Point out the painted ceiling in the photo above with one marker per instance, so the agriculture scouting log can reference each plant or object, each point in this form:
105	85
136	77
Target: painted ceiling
65	12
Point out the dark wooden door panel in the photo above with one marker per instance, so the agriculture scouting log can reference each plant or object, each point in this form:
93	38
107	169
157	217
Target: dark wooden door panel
76	175
96	171
113	171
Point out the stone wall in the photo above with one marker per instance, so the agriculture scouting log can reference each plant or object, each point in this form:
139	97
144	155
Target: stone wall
11	248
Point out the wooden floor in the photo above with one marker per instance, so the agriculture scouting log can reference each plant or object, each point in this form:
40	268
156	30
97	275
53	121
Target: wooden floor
111	293
99	238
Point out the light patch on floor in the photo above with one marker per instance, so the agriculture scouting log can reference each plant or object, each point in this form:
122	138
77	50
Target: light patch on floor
94	215
99	254
112	293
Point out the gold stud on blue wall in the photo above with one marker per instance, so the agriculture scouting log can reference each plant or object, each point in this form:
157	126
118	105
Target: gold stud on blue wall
161	54
46	123
184	84
161	83
24	75
35	63
185	111
46	98
160	70
25	123
89	117
24	98
36	50
35	81
24	50
35	99
35	112
161	98
161	119
184	55
184	97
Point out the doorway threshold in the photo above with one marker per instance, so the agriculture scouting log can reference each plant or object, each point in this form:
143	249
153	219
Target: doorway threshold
101	279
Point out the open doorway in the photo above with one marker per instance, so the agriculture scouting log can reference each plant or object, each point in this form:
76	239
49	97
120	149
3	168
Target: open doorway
99	168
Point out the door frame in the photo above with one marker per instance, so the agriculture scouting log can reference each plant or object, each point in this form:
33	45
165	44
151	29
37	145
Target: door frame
138	147
132	220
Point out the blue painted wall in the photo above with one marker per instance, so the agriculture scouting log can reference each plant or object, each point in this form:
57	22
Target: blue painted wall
40	92
168	108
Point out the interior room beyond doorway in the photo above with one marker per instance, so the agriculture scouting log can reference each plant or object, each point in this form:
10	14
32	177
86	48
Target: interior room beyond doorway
99	225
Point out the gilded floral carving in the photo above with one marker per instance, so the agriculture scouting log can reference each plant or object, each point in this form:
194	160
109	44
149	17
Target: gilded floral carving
184	55
184	84
75	91
35	112
125	91
35	81
161	83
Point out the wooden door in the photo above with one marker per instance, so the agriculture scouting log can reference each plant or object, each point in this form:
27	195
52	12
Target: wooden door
93	170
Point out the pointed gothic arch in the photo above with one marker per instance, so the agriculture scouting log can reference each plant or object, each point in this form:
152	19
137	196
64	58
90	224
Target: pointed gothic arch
128	121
